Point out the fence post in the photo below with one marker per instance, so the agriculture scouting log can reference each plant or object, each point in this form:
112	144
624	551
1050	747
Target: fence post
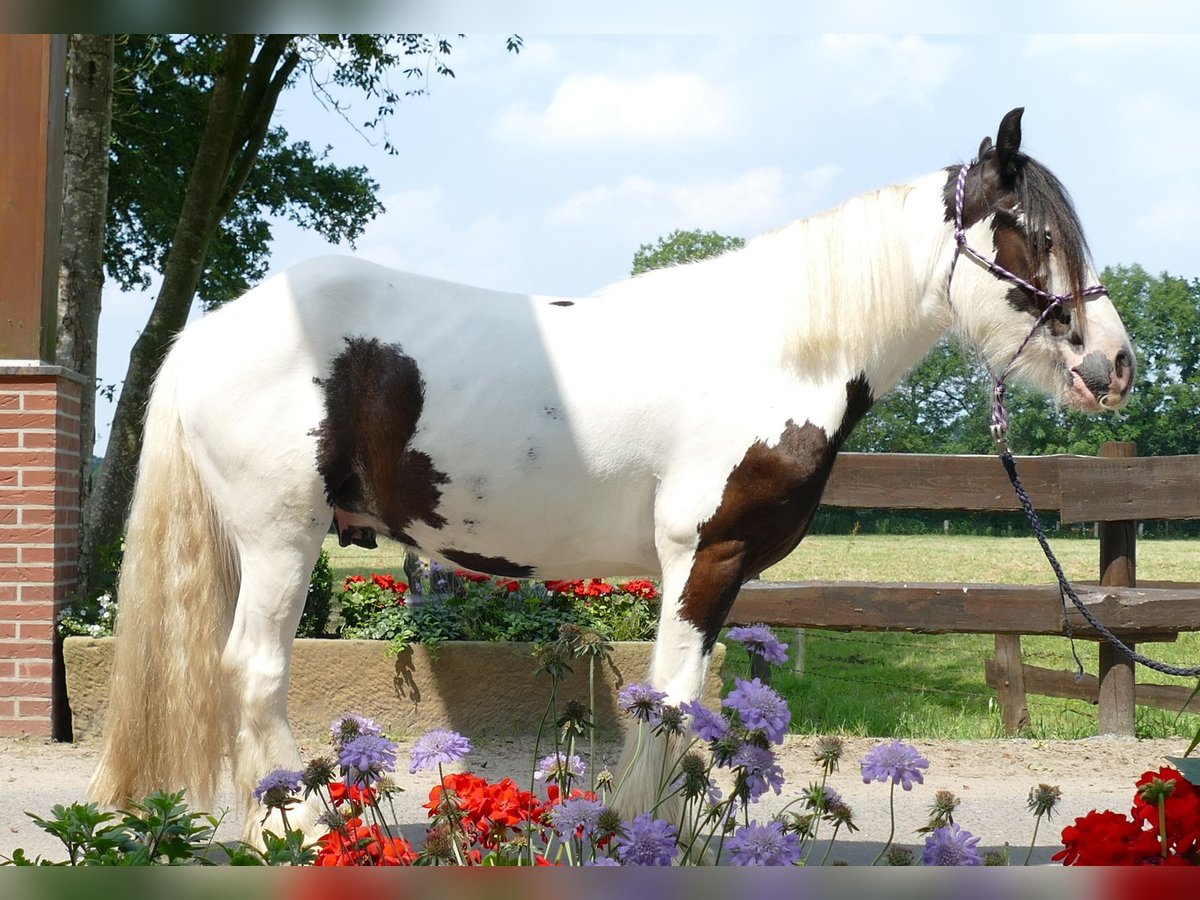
1010	683
1118	568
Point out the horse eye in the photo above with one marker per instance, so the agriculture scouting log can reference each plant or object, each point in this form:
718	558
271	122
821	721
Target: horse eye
1047	239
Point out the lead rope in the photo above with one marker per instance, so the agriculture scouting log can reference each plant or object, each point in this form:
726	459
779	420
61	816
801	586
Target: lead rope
999	430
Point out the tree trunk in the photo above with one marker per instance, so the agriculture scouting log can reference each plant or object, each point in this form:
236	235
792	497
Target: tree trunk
181	274
243	100
85	202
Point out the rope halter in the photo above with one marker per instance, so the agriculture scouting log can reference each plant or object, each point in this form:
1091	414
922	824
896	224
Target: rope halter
999	420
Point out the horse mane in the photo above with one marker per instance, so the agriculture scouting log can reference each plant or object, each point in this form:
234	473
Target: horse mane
1047	207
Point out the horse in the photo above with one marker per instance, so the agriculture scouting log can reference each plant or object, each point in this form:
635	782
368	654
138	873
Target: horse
680	425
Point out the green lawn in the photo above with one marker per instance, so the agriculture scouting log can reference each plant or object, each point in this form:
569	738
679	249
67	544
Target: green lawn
924	686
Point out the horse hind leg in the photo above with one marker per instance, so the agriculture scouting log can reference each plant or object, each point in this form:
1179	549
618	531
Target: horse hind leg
257	666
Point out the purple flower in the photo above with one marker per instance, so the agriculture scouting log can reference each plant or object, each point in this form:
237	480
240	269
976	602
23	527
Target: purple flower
559	767
576	816
602	861
348	727
952	845
278	787
894	761
759	640
759	707
760	769
708	725
647	841
366	757
641	701
438	746
763	845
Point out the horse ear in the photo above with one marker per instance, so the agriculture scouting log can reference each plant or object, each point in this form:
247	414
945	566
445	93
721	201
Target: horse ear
984	146
1008	144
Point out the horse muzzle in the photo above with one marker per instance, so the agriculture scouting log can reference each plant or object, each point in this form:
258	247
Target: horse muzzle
1102	382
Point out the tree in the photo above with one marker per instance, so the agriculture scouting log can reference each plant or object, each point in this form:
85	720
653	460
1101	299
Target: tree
85	196
681	247
196	166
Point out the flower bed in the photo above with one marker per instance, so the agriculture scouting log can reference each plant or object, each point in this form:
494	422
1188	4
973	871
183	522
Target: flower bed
482	688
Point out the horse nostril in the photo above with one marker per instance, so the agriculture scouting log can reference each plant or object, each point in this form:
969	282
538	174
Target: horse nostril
1123	361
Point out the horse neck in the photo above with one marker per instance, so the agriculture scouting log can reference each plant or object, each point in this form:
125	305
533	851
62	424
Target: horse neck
865	284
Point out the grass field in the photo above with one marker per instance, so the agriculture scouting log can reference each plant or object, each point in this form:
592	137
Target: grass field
925	686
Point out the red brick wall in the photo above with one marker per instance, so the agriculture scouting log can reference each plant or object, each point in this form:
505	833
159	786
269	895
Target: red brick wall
39	528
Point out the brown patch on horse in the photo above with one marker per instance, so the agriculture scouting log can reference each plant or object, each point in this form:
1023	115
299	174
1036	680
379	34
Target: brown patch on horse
489	565
374	396
767	505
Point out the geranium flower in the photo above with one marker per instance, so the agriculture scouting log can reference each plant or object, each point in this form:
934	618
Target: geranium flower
467	575
641	588
1107	838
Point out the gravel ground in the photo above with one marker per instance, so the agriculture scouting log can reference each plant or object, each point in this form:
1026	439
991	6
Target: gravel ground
992	779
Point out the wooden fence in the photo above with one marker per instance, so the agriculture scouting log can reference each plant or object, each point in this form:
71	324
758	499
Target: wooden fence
1114	489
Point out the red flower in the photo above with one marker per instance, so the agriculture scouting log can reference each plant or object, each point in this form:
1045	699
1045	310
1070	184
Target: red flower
1182	809
357	794
1106	839
641	588
488	810
359	845
467	575
351	580
510	586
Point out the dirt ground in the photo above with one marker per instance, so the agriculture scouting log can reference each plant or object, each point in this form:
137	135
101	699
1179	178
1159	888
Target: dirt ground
992	779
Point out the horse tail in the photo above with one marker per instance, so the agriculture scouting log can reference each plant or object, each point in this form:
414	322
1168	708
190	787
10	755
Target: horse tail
166	725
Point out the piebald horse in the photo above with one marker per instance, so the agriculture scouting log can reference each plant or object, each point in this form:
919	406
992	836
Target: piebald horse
680	424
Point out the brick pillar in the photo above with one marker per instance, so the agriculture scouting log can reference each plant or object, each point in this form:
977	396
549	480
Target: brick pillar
39	539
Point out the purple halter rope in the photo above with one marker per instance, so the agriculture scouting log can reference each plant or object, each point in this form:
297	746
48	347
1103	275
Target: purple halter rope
999	426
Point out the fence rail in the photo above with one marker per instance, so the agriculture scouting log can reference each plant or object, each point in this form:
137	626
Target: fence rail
1114	489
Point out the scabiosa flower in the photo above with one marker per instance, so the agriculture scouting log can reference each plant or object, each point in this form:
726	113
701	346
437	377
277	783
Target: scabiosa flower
822	797
706	724
670	720
829	753
559	767
278	787
761	641
693	777
641	701
346	728
1043	799
894	761
759	770
438	746
602	861
647	841
763	845
759	707
952	845
366	757
576	817
318	773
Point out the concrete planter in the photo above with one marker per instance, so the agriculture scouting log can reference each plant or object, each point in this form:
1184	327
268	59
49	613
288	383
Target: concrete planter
477	688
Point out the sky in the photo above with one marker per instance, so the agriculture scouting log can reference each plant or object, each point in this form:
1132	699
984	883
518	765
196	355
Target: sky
543	172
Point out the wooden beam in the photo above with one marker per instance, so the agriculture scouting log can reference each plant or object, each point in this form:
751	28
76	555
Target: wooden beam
1113	489
1137	613
1054	683
929	481
1010	683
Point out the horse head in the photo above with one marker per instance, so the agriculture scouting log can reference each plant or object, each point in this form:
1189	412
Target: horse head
1022	281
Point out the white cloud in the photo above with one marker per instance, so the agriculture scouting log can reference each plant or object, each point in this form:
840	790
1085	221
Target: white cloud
757	199
418	233
591	108
870	70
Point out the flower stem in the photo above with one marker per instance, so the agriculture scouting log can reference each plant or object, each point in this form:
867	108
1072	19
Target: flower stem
892	828
1162	824
592	718
1036	822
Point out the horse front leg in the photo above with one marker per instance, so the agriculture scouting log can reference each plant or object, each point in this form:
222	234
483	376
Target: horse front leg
700	584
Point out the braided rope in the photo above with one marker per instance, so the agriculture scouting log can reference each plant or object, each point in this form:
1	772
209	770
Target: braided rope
999	430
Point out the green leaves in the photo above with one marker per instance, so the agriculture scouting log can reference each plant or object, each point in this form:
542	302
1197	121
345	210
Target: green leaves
681	247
